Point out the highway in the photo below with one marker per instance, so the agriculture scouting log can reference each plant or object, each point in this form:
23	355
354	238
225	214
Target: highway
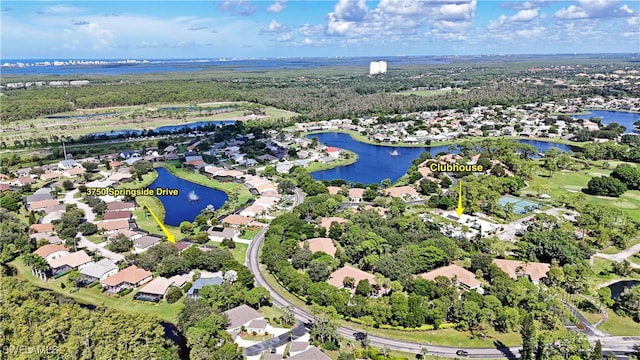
620	345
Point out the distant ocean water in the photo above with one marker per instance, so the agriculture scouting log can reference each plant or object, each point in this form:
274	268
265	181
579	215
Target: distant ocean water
120	67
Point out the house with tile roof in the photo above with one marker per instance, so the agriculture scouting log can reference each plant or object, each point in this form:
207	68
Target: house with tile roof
51	251
128	278
337	277
536	272
71	261
320	244
460	276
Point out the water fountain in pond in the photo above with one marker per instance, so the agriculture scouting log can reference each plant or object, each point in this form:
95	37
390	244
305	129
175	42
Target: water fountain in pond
394	153
193	196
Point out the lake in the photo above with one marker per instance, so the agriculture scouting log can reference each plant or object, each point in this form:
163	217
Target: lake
180	208
165	129
618	287
375	162
623	118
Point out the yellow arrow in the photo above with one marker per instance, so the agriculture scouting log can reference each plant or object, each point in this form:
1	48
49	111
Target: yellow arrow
460	209
166	232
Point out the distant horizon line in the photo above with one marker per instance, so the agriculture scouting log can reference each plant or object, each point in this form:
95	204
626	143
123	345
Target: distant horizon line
236	58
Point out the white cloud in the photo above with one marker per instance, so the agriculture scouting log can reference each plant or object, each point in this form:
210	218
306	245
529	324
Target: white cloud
277	6
275	27
288	36
534	32
525	15
307	41
349	10
593	9
238	7
309	30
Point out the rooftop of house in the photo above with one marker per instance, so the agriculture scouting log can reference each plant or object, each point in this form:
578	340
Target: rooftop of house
240	315
513	268
337	277
453	271
131	275
49	249
320	244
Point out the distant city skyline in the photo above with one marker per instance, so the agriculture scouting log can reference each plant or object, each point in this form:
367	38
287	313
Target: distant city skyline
289	28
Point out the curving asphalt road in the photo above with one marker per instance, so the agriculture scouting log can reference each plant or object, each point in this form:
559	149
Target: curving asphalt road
620	345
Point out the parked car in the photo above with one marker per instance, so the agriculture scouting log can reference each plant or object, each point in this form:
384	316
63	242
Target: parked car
462	353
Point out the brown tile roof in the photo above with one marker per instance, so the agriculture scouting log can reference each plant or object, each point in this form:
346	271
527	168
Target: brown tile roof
401	191
131	275
337	277
119	176
74	171
450	158
73	260
157	286
236	220
50	175
327	221
40	228
320	244
120	205
333	190
464	276
114	224
25	180
356	193
37	205
536	271
49	249
5	187
115	215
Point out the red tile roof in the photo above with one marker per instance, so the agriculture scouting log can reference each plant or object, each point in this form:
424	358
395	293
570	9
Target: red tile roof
131	275
320	244
462	275
49	249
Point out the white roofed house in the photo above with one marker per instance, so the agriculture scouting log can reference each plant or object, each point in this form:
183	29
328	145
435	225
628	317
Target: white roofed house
99	270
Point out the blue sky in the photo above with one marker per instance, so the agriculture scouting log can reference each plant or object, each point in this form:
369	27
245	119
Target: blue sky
282	28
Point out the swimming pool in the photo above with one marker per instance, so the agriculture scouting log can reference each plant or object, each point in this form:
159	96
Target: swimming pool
520	206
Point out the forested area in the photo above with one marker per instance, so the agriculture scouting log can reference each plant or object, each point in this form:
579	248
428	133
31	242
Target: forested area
40	326
317	97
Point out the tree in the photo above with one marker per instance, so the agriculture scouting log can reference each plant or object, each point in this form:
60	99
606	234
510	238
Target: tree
363	288
606	186
428	187
527	333
369	194
173	294
257	297
186	227
229	243
88	228
120	244
67	184
348	282
628	174
230	276
597	351
318	272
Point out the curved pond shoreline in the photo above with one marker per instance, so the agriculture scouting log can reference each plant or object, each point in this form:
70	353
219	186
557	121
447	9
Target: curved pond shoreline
181	207
363	139
376	162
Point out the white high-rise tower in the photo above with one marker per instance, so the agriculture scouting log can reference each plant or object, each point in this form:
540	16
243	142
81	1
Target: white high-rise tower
377	67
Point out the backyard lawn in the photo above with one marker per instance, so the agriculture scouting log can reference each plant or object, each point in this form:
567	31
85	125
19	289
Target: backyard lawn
94	296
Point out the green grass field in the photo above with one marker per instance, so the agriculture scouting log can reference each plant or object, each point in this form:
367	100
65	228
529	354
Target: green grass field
617	325
94	296
75	127
572	182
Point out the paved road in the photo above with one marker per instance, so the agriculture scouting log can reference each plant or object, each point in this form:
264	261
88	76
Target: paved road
620	345
589	329
91	217
622	255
